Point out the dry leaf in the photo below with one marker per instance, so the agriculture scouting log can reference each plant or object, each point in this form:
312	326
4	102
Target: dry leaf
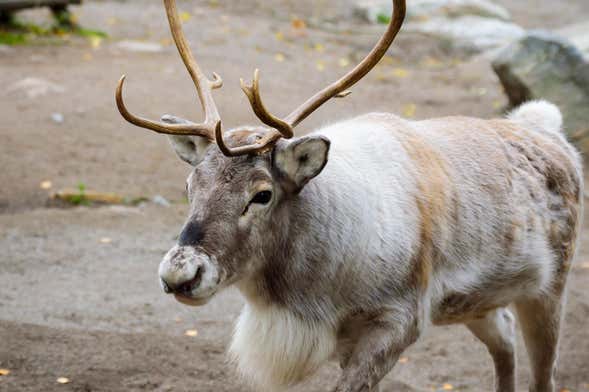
320	66
95	42
565	390
319	48
4	372
46	184
191	332
279	57
409	110
447	387
105	240
400	72
431	62
87	57
63	380
403	360
178	319
497	104
279	36
185	16
343	62
298	24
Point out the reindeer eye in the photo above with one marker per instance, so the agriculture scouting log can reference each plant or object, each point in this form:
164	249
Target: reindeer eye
262	197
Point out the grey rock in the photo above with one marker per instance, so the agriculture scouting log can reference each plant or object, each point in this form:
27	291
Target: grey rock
160	201
57	118
473	34
369	10
544	66
578	34
140	46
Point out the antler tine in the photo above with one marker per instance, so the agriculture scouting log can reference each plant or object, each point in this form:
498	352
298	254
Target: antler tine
204	87
338	89
253	94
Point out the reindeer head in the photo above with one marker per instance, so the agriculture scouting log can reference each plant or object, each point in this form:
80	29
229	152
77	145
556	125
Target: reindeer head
244	180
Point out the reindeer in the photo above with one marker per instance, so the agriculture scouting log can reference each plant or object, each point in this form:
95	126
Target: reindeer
348	242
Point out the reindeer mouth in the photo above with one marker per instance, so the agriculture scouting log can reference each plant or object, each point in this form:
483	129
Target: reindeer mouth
187	299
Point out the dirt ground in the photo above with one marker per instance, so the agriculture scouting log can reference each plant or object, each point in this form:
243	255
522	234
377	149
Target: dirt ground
75	305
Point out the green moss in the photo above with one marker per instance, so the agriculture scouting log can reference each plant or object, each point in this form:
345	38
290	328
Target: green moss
16	32
383	18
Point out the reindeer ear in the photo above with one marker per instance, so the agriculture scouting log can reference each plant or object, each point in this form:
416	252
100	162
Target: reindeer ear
190	149
301	160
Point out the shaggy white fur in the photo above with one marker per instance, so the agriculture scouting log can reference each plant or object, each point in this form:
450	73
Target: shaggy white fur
274	349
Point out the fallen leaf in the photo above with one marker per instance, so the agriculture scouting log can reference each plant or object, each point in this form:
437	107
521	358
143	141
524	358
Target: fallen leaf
320	66
343	62
4	372
319	48
565	390
63	380
87	57
447	387
46	184
279	35
105	240
584	265
298	24
497	104
403	360
95	42
431	62
185	16
400	72
388	60
191	332
409	110
279	57
178	319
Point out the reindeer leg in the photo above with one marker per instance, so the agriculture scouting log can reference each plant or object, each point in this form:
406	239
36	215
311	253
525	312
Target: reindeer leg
377	351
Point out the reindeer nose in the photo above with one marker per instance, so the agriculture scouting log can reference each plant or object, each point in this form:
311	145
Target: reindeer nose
182	286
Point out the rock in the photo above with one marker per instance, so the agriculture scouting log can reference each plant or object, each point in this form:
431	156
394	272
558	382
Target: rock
140	46
34	87
471	33
160	201
542	65
57	118
578	34
373	10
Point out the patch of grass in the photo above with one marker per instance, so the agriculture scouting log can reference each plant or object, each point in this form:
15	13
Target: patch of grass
9	38
16	32
80	198
383	18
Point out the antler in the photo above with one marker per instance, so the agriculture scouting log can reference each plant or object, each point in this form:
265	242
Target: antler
281	128
338	89
204	87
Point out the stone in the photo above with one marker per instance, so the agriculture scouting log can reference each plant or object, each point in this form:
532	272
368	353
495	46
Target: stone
542	65
578	34
473	34
57	118
140	46
373	10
